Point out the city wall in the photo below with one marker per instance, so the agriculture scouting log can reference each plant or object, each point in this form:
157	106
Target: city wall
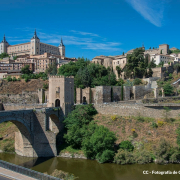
145	110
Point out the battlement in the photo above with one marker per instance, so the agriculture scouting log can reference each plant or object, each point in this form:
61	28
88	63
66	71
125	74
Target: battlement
60	76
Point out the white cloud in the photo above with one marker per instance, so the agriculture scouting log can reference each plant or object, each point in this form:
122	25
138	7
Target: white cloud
151	10
84	33
83	42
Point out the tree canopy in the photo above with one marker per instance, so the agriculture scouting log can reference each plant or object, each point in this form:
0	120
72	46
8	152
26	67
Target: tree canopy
137	66
3	55
88	74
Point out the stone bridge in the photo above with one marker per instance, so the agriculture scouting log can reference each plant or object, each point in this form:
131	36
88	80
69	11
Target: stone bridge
39	130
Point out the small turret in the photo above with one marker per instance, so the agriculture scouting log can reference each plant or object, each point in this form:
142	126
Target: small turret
4	39
35	35
4	45
62	48
61	44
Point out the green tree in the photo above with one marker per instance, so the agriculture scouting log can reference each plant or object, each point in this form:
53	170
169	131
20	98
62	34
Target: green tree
161	51
119	71
3	55
96	146
52	69
152	64
168	89
150	72
14	57
76	124
123	53
135	66
26	70
161	64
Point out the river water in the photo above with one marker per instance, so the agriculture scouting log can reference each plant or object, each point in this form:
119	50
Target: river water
92	170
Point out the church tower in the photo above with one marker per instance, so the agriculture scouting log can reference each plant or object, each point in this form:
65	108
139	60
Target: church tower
3	45
35	44
62	49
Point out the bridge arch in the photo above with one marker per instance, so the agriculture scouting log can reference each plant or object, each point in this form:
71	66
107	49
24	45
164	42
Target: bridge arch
23	138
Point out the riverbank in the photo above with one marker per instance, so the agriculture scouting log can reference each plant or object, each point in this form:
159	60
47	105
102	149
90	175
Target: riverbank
145	134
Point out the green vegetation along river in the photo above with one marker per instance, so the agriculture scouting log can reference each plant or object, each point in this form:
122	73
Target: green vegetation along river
92	170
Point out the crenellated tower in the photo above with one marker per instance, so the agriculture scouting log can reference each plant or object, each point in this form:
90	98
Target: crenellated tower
35	45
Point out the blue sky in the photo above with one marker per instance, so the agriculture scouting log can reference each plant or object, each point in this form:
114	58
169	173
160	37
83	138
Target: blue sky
92	27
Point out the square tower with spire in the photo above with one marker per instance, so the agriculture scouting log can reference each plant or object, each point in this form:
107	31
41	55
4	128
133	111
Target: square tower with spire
3	45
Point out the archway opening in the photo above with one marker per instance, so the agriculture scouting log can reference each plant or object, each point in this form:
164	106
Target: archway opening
57	103
84	100
57	127
18	138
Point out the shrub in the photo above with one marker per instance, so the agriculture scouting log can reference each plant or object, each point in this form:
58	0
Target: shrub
126	145
114	117
165	152
123	157
14	79
62	175
154	125
168	89
142	157
160	123
18	79
45	86
106	156
137	81
9	78
26	79
170	76
178	135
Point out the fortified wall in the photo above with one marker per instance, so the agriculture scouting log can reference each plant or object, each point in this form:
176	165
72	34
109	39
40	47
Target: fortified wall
162	72
145	110
101	94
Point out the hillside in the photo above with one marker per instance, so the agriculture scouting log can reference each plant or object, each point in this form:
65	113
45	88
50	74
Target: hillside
140	130
18	86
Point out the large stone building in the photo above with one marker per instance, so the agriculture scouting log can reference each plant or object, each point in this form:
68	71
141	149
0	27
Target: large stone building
34	47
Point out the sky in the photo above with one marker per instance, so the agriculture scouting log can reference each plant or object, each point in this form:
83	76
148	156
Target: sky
91	28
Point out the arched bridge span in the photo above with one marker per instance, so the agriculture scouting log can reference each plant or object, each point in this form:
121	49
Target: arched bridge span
38	129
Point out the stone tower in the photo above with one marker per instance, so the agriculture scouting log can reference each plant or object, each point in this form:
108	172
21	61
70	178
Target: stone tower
35	44
62	48
3	45
61	92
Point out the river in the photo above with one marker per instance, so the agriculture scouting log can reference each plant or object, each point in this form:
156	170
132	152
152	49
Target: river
92	170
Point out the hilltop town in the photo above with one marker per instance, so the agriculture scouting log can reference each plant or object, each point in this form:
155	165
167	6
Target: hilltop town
44	87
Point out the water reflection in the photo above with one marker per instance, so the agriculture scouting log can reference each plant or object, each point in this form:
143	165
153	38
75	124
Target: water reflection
88	170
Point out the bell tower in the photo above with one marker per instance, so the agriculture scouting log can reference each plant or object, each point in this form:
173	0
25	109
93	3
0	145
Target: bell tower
35	44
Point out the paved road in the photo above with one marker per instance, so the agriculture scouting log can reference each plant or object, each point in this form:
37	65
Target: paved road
5	178
12	175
